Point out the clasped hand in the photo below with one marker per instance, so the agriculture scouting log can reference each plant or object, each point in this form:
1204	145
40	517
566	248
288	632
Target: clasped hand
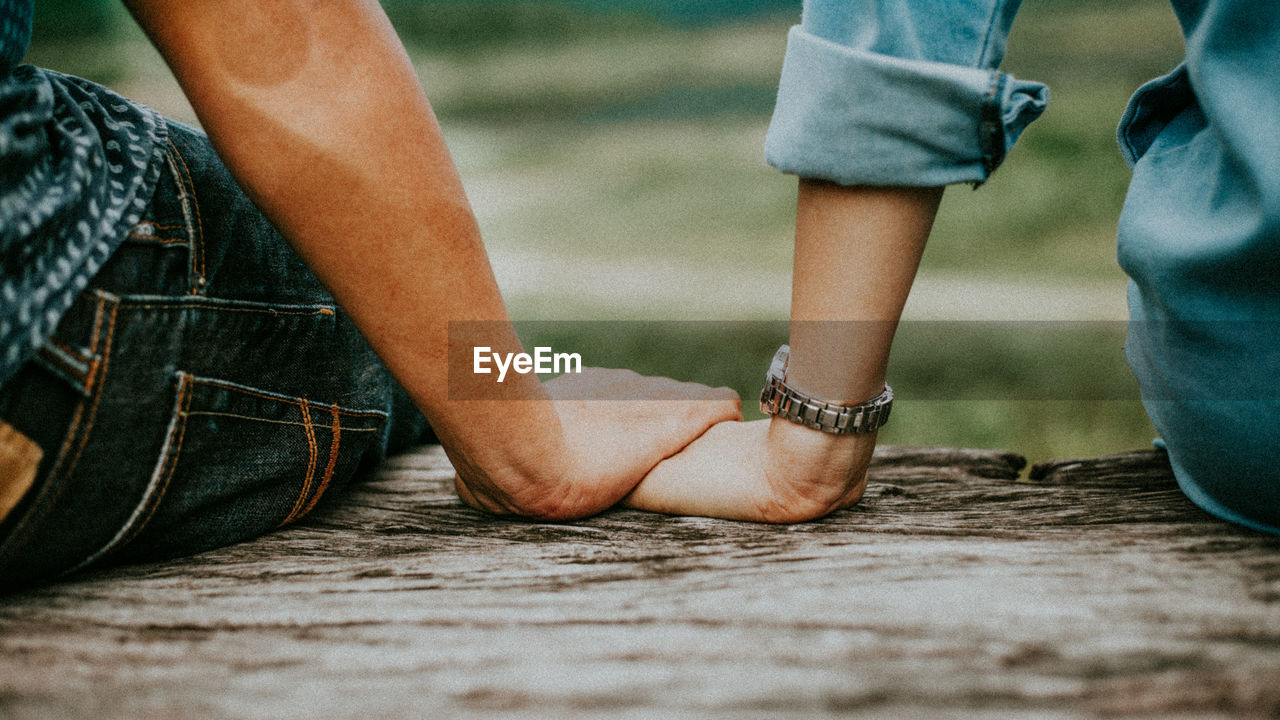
674	447
614	427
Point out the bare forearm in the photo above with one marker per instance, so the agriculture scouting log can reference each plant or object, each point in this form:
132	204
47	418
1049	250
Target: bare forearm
316	110
857	250
856	254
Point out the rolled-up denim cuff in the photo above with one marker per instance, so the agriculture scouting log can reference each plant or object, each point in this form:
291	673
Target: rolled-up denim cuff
861	118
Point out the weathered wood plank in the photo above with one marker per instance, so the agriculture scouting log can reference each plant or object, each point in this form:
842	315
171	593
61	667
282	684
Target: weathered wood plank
953	590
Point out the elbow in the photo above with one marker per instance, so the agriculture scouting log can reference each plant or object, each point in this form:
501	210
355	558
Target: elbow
555	502
538	496
555	512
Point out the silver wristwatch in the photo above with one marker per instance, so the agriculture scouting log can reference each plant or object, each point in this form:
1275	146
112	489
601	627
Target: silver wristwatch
778	398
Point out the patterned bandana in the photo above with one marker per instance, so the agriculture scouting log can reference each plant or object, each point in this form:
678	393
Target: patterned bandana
78	164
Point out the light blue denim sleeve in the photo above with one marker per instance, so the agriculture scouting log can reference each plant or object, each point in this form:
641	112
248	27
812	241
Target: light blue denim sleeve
899	92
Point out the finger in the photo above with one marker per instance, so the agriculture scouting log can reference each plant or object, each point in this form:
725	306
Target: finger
697	419
721	402
594	383
722	393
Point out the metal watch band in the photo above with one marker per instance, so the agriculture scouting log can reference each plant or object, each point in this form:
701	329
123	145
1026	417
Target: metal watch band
778	398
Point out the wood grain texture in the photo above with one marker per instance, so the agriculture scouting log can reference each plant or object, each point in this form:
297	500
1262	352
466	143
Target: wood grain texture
953	590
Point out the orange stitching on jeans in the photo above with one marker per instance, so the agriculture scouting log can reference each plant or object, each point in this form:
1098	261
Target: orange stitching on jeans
264	310
264	396
167	470
157	238
72	371
94	369
85	376
197	242
101	376
93	374
334	444
64	347
95	335
254	418
95	363
311	465
156	488
76	436
52	489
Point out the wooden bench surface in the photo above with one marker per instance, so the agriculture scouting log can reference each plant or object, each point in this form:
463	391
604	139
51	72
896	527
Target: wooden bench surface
952	590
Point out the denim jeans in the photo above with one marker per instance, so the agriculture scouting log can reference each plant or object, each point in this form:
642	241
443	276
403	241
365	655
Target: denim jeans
906	92
899	92
204	389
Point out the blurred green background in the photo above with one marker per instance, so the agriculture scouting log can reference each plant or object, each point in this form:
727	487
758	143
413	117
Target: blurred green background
612	151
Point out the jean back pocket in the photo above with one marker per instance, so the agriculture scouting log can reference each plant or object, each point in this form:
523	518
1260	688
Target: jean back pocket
237	462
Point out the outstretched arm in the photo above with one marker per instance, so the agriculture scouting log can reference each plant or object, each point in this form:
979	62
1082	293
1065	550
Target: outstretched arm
317	112
856	254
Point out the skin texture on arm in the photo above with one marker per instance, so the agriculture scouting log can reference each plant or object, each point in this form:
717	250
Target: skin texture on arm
316	110
856	254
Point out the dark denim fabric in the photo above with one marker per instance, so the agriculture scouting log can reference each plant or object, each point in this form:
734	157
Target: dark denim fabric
203	390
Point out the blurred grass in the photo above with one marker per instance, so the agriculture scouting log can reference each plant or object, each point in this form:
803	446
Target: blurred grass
1045	389
1052	209
619	138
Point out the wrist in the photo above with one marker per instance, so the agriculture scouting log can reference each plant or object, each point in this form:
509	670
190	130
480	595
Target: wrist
812	473
781	397
808	450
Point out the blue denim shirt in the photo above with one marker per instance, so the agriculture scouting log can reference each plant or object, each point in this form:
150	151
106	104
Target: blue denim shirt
15	32
905	92
900	92
1200	238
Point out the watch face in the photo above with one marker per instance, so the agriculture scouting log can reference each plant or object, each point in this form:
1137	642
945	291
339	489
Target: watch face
778	368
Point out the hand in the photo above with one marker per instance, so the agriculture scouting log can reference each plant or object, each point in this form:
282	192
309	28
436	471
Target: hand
614	426
768	471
